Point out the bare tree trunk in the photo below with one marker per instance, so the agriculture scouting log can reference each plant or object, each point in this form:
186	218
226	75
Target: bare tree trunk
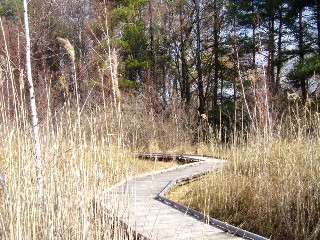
152	45
254	33
185	82
271	51
38	163
303	81
318	24
201	108
216	55
279	60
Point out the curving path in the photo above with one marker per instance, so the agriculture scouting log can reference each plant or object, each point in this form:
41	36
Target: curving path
139	204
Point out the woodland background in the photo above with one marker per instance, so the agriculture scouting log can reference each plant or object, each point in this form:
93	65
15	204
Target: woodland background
233	64
238	80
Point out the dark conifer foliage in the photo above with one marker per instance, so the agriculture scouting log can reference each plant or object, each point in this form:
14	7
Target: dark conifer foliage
217	59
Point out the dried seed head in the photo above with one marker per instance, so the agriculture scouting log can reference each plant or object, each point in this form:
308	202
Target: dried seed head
69	48
293	96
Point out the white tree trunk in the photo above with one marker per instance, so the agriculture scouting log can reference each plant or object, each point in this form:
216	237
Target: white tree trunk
34	116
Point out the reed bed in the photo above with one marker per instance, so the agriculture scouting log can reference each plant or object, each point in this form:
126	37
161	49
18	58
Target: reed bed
83	154
270	187
271	184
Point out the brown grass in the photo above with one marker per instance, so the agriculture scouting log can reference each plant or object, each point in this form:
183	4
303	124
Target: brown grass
86	148
270	187
82	157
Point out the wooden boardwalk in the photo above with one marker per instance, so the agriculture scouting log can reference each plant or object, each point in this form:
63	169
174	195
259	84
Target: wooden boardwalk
139	204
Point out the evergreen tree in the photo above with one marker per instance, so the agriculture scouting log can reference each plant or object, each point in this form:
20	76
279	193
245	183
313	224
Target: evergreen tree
133	39
304	53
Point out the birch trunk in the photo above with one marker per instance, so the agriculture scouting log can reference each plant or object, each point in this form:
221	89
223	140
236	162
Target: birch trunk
38	164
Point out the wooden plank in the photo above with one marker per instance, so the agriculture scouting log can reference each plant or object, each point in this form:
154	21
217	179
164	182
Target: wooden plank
135	203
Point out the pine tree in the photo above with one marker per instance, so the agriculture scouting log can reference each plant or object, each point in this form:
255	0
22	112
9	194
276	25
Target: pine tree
306	60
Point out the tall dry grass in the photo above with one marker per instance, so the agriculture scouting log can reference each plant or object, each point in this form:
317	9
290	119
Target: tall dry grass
272	183
85	150
82	157
76	169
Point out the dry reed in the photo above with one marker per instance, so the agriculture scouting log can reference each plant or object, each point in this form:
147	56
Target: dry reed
271	186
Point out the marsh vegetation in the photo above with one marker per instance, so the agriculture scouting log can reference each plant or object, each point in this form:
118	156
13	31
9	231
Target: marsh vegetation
233	79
